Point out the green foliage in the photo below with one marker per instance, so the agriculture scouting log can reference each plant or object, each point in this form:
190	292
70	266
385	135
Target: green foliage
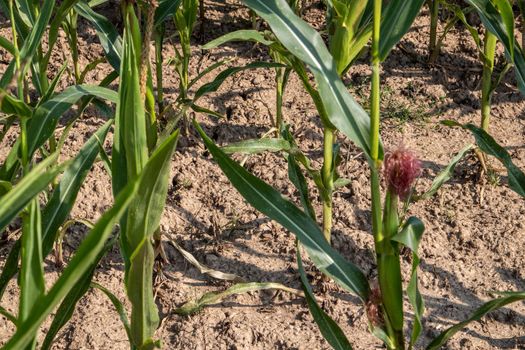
40	191
509	297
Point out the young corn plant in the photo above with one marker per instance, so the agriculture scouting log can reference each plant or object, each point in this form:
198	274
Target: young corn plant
384	304
454	13
498	20
184	14
30	188
131	156
350	28
185	19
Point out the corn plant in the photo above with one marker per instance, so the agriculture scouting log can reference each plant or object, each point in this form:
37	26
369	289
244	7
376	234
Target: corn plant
384	305
349	26
41	191
454	13
23	179
131	158
185	19
498	19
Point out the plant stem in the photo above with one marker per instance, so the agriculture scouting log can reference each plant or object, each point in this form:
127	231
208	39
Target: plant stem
432	45
73	43
389	272
328	180
375	98
282	76
374	131
387	259
489	52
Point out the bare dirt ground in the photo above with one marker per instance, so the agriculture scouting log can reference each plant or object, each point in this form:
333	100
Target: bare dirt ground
474	236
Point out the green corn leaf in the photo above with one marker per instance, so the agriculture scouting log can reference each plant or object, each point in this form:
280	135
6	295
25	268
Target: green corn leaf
65	194
222	76
8	46
31	44
12	105
330	330
397	18
510	297
167	8
67	307
445	174
8	315
30	186
130	148
103	108
211	298
118	306
143	219
32	285
410	233
52	86
49	111
206	71
80	263
306	44
10	267
507	17
5	186
200	109
8	75
257	146
107	34
45	118
497	19
270	202
410	236
389	274
239	35
31	279
488	145
26	11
